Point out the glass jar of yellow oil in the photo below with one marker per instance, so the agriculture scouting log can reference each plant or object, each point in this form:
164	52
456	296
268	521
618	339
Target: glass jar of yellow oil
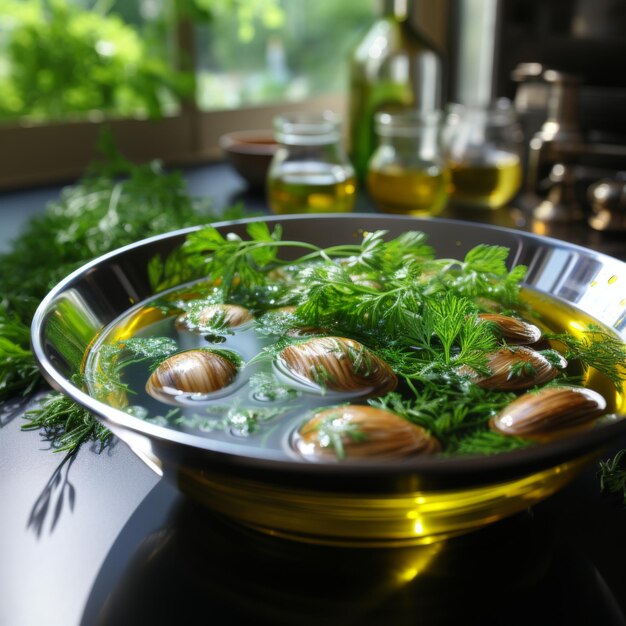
310	172
406	173
483	148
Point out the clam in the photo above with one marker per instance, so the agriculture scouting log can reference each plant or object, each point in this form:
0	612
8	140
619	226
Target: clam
338	364
512	329
356	431
191	372
230	315
515	368
549	411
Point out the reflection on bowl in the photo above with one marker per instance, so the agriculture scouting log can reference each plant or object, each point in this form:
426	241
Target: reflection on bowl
250	152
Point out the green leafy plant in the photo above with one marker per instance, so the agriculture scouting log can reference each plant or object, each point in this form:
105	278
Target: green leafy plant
62	60
115	204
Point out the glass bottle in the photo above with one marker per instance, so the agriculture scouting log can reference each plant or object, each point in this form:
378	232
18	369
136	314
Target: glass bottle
393	65
407	173
483	148
310	172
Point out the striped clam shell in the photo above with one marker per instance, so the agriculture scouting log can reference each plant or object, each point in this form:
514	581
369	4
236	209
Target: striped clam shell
338	364
364	432
511	329
513	369
231	315
548	411
191	372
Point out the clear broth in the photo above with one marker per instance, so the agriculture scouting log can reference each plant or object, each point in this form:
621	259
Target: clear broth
205	416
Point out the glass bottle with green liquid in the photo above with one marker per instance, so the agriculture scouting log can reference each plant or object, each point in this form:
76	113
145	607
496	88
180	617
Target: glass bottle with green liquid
393	66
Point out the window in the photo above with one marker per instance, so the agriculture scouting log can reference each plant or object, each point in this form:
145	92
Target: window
167	82
295	50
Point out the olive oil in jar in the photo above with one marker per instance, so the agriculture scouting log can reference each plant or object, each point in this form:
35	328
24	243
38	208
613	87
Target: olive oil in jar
407	173
311	187
310	172
483	147
409	191
491	184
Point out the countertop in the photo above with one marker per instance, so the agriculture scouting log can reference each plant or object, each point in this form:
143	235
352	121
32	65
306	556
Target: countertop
100	540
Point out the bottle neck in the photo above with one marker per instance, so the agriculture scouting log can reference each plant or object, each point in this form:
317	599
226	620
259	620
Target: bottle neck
399	9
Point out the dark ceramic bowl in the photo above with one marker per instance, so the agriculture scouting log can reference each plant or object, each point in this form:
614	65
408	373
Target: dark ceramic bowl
417	500
250	152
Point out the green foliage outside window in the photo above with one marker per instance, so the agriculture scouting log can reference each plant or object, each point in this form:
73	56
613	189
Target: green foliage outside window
60	59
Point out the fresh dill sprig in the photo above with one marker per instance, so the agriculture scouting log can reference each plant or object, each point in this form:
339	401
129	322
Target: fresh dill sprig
597	349
115	357
613	475
483	274
245	421
114	204
486	442
66	424
18	371
265	387
450	409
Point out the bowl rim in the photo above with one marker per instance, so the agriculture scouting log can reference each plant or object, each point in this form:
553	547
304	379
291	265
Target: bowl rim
243	142
545	454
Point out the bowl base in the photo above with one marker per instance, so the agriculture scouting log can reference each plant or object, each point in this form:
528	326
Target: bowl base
372	520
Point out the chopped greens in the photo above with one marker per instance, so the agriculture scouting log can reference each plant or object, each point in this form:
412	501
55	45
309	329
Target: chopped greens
115	204
417	313
66	424
613	475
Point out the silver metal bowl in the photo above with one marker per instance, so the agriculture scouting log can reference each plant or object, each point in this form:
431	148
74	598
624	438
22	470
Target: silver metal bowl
390	503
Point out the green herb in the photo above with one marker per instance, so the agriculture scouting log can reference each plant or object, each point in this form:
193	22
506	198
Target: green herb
265	387
18	371
246	420
65	424
613	475
115	204
194	320
114	358
242	420
488	442
332	430
597	349
448	407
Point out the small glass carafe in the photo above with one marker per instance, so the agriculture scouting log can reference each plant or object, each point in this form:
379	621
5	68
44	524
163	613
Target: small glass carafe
483	150
407	173
310	172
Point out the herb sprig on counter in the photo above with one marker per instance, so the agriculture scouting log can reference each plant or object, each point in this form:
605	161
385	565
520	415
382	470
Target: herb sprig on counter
114	204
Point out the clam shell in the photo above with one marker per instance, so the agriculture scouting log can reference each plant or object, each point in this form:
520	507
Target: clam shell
232	315
365	432
338	364
191	372
512	329
548	411
532	369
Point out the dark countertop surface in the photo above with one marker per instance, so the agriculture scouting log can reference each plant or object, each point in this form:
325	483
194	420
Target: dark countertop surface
100	540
